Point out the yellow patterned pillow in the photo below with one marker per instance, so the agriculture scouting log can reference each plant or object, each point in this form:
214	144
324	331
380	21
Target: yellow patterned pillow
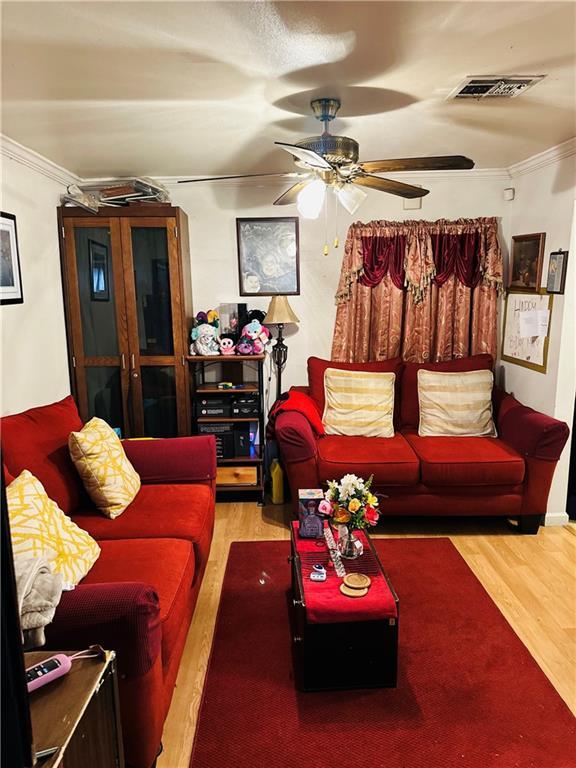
456	404
110	479
38	527
358	403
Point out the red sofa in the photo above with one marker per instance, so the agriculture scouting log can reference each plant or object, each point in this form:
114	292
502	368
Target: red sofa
509	475
139	596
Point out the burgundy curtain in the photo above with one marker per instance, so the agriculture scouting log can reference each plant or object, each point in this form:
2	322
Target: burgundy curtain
424	290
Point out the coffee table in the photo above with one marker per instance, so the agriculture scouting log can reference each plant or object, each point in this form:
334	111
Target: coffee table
341	642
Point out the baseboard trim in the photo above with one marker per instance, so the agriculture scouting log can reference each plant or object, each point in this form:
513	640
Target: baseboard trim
556	518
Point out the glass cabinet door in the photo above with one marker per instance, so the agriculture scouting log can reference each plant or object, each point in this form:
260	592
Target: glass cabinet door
93	268
157	373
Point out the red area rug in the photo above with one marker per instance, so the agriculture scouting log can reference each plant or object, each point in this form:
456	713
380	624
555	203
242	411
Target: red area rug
469	693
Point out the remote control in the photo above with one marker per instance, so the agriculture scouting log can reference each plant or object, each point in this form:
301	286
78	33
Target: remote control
46	671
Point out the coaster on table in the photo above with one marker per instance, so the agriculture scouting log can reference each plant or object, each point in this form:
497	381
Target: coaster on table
351	592
357	580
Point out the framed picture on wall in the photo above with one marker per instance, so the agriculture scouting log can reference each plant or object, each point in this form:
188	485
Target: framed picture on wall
557	264
99	279
268	256
526	262
527	329
10	277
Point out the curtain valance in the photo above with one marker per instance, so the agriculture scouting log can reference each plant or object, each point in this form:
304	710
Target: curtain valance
416	253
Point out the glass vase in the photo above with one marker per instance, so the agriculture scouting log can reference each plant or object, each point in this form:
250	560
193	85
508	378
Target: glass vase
349	545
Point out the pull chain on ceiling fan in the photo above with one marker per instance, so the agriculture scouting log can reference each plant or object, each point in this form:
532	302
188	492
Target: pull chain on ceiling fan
332	161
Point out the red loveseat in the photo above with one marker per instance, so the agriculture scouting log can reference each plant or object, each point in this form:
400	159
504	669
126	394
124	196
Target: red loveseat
509	475
139	597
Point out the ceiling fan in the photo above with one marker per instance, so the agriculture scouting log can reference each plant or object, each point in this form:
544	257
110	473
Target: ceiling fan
332	161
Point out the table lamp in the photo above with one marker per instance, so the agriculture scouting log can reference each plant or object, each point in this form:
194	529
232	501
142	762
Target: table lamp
279	313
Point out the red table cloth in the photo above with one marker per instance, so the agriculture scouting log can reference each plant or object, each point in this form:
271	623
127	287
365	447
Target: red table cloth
325	604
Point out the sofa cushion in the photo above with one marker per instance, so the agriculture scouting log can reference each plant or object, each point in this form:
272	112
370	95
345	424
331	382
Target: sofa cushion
167	565
409	410
465	461
455	404
39	528
358	403
159	511
108	476
37	440
390	459
317	366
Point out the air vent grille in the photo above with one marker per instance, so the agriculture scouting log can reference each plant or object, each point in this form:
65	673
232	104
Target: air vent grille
494	86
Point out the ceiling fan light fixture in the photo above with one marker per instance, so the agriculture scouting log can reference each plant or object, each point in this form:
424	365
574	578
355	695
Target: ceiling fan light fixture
351	197
311	199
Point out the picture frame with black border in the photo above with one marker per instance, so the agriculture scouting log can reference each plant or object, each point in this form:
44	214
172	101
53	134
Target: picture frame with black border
98	272
10	274
557	264
268	256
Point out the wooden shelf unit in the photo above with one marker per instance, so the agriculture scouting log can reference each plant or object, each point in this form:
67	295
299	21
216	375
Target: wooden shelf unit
237	473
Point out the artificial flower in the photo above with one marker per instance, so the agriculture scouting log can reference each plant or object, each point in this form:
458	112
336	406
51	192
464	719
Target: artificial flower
354	505
372	500
371	515
341	515
325	508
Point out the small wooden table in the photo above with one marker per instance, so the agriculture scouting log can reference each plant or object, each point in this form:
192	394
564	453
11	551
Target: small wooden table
342	654
78	713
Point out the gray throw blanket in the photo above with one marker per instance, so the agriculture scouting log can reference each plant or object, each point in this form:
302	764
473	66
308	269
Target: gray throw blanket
39	591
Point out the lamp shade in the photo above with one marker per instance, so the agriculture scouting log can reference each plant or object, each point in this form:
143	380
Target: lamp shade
280	311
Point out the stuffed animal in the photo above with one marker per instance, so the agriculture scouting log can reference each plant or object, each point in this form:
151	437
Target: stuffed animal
204	335
204	340
227	344
253	340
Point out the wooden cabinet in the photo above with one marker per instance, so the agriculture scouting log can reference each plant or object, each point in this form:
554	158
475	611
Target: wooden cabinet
236	417
78	715
127	291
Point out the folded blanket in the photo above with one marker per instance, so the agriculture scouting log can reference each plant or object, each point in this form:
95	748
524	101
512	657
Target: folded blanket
39	591
295	401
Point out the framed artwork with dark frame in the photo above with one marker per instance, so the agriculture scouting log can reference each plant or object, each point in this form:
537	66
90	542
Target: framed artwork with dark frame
526	262
10	275
99	272
268	256
556	280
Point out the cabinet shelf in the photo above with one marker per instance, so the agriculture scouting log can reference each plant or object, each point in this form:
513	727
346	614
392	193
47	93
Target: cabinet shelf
223	358
234	473
211	390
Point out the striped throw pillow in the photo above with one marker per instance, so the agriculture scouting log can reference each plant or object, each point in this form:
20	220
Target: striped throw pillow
455	404
358	403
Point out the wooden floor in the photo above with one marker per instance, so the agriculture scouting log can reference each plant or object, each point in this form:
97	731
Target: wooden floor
531	579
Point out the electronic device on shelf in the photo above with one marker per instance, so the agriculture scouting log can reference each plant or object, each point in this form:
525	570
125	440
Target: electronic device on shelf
48	670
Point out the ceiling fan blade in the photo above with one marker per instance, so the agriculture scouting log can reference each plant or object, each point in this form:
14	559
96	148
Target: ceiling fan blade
291	194
391	186
308	156
444	163
290	175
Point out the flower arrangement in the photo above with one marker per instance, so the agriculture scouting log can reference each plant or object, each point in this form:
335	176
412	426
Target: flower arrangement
350	503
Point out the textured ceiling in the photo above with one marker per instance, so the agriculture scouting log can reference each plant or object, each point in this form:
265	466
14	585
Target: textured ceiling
204	88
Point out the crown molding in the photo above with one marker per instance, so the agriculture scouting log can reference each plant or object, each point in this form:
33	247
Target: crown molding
27	157
543	159
20	154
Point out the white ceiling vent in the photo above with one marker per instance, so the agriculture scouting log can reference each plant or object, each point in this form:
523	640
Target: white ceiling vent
494	86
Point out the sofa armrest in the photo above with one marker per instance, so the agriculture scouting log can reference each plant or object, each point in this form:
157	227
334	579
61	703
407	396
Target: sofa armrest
124	617
295	437
532	434
174	459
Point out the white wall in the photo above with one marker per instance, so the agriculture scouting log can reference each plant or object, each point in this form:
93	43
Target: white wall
212	210
33	337
544	202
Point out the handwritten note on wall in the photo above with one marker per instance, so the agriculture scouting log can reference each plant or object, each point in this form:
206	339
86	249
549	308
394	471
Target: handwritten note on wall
526	327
